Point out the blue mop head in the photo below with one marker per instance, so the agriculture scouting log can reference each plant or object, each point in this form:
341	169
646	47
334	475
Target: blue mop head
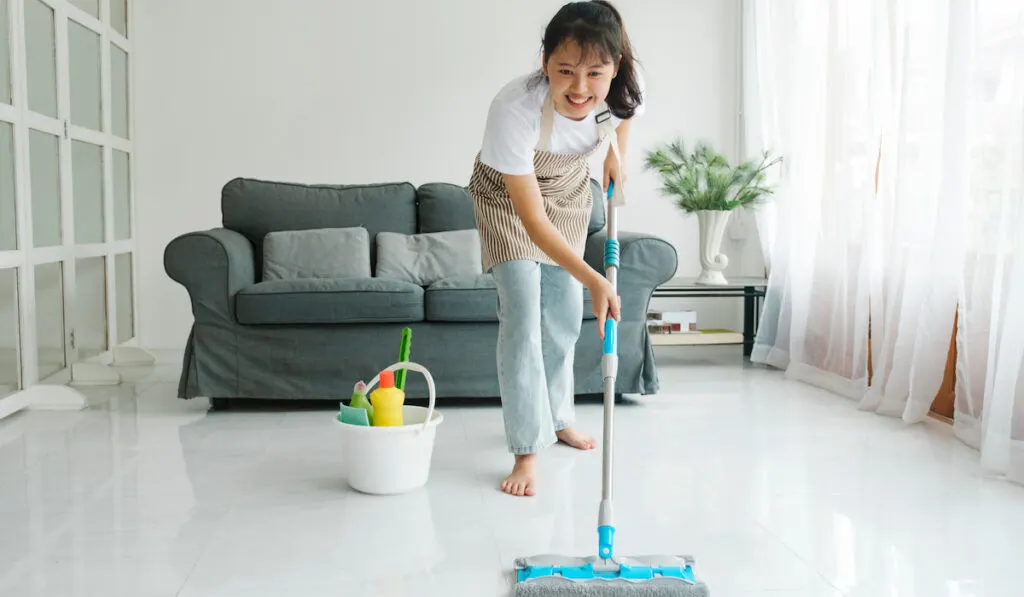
642	576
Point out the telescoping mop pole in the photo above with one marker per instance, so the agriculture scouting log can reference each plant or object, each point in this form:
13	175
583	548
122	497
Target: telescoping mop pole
606	574
609	371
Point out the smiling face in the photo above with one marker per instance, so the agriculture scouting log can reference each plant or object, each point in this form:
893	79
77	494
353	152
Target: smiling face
579	80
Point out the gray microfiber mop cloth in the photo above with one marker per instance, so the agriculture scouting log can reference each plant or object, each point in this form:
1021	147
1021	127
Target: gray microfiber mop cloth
614	588
560	587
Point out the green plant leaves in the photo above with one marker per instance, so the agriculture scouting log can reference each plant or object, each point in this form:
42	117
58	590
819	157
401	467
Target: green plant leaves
703	179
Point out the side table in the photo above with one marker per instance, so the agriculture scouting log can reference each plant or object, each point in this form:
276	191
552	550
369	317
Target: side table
752	290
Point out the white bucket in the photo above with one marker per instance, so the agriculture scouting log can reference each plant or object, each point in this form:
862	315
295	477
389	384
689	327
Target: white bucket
390	460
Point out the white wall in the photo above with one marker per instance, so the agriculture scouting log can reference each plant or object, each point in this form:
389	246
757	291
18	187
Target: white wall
306	91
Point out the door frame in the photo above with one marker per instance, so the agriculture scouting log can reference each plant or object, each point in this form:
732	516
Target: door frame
26	257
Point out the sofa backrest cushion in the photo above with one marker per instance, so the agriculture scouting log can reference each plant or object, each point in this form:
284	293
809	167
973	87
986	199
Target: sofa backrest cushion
318	253
444	206
255	207
597	213
425	258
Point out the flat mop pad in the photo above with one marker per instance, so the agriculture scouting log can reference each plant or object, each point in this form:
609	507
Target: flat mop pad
641	576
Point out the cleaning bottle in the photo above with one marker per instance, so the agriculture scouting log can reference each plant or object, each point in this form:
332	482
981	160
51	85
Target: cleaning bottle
359	400
387	401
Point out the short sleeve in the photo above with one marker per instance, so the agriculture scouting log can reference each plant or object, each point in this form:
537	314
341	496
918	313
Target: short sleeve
510	137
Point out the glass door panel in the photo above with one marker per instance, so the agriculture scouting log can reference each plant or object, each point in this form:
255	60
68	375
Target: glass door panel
125	305
119	90
10	355
41	67
90	6
119	16
90	306
87	187
49	289
86	96
6	87
122	196
44	166
8	207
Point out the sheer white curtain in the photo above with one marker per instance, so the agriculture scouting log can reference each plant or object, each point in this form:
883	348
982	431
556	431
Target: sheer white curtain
898	211
813	105
990	336
918	235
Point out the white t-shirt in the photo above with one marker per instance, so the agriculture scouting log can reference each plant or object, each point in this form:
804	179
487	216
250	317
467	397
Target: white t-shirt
513	127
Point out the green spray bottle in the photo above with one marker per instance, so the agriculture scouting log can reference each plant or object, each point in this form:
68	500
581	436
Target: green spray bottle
359	400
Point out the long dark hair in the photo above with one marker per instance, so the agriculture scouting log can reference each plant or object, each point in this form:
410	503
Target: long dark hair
596	26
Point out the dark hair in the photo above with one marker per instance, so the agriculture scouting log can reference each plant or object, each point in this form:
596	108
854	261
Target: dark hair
596	27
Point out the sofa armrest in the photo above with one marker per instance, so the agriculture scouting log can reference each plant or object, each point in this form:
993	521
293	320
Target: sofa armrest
645	262
212	265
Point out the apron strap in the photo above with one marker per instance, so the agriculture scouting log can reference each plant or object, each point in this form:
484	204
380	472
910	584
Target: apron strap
605	126
605	129
547	123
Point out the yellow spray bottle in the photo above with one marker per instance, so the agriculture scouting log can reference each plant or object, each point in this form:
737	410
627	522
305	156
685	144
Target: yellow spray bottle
387	401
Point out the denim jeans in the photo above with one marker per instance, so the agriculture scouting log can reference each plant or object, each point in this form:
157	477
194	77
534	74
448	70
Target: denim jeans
540	311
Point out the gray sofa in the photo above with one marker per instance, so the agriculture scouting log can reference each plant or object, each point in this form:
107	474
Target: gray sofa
315	338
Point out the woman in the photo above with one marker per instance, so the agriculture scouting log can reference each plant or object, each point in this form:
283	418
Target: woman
532	199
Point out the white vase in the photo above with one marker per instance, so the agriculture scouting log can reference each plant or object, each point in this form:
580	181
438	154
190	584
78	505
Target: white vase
712	262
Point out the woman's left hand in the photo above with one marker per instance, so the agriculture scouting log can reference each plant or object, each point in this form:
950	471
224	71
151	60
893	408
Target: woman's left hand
613	170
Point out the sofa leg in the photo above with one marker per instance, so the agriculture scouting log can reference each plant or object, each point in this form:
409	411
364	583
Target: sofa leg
220	403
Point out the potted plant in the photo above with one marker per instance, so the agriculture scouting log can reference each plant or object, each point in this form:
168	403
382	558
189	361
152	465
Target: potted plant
703	182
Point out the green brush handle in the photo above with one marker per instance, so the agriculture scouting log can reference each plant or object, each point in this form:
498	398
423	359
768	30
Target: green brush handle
403	356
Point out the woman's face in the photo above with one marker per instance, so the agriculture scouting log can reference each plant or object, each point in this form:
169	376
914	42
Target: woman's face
577	86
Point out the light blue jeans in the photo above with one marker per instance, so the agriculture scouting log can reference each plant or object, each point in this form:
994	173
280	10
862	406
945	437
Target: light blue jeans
540	311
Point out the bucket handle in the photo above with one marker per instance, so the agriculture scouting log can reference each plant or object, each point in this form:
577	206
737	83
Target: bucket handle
412	367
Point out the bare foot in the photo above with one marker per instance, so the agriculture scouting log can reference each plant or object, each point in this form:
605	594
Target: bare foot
523	477
576	439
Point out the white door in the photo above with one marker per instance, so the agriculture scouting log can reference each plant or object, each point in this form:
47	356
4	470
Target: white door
66	217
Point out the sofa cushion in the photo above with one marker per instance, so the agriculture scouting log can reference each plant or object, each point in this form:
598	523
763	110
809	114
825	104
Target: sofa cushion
329	300
443	206
426	258
472	298
318	253
588	305
462	298
256	207
597	210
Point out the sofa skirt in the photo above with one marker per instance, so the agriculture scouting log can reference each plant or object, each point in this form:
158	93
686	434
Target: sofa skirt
325	362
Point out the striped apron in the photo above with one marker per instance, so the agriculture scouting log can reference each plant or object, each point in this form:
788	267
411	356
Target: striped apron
564	180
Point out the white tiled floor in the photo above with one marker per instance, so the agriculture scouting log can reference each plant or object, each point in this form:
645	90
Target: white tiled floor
777	489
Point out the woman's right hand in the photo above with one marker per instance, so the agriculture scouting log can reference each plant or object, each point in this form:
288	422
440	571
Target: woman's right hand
604	300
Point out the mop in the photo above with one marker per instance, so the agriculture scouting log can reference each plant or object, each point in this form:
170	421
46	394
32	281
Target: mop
608	574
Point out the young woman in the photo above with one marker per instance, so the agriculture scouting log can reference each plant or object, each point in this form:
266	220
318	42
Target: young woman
532	199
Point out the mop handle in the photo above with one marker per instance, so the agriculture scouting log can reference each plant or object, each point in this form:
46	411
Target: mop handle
611	266
609	369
